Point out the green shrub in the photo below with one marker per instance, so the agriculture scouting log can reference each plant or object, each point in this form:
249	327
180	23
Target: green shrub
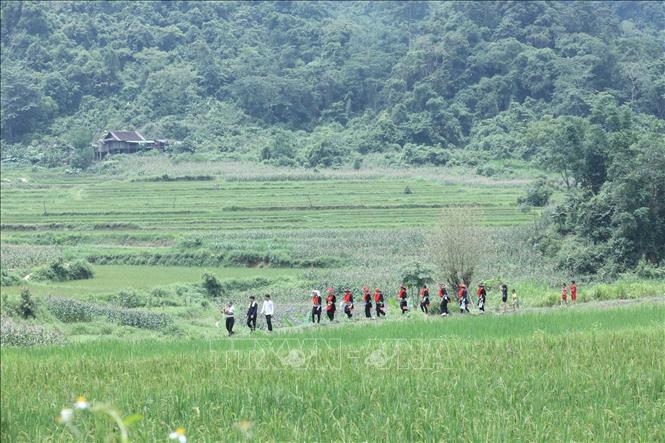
235	285
60	270
27	307
647	270
68	310
418	155
486	170
128	298
79	270
212	286
537	194
9	279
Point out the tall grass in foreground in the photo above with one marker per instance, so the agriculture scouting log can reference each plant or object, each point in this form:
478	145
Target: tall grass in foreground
571	375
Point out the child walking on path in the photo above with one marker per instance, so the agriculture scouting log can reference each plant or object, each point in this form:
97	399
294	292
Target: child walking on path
516	303
564	295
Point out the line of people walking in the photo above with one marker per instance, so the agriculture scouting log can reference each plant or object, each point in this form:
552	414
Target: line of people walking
347	303
377	302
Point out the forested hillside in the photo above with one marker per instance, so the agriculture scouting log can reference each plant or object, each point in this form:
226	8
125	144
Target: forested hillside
320	83
576	88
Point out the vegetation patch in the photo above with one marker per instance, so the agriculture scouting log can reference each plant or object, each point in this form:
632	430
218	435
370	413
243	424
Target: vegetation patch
70	311
61	270
22	334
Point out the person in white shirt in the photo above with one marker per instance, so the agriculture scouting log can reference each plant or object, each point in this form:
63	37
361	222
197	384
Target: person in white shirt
267	309
230	320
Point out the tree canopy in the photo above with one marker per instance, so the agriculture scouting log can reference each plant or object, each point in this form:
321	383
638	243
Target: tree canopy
418	80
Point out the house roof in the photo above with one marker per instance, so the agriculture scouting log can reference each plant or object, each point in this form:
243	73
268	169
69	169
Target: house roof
124	136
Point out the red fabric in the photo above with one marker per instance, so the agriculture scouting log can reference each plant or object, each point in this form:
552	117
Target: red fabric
573	292
402	292
377	296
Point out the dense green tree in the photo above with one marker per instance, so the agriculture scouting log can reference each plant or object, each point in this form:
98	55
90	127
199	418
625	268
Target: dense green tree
383	75
24	106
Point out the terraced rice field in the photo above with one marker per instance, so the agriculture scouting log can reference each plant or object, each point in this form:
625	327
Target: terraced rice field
85	203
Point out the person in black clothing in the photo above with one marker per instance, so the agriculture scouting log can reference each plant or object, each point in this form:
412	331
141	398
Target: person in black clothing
443	294
504	296
252	313
367	298
424	299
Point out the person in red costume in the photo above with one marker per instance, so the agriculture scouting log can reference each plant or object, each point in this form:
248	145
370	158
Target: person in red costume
379	303
348	302
424	299
401	296
317	301
330	304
